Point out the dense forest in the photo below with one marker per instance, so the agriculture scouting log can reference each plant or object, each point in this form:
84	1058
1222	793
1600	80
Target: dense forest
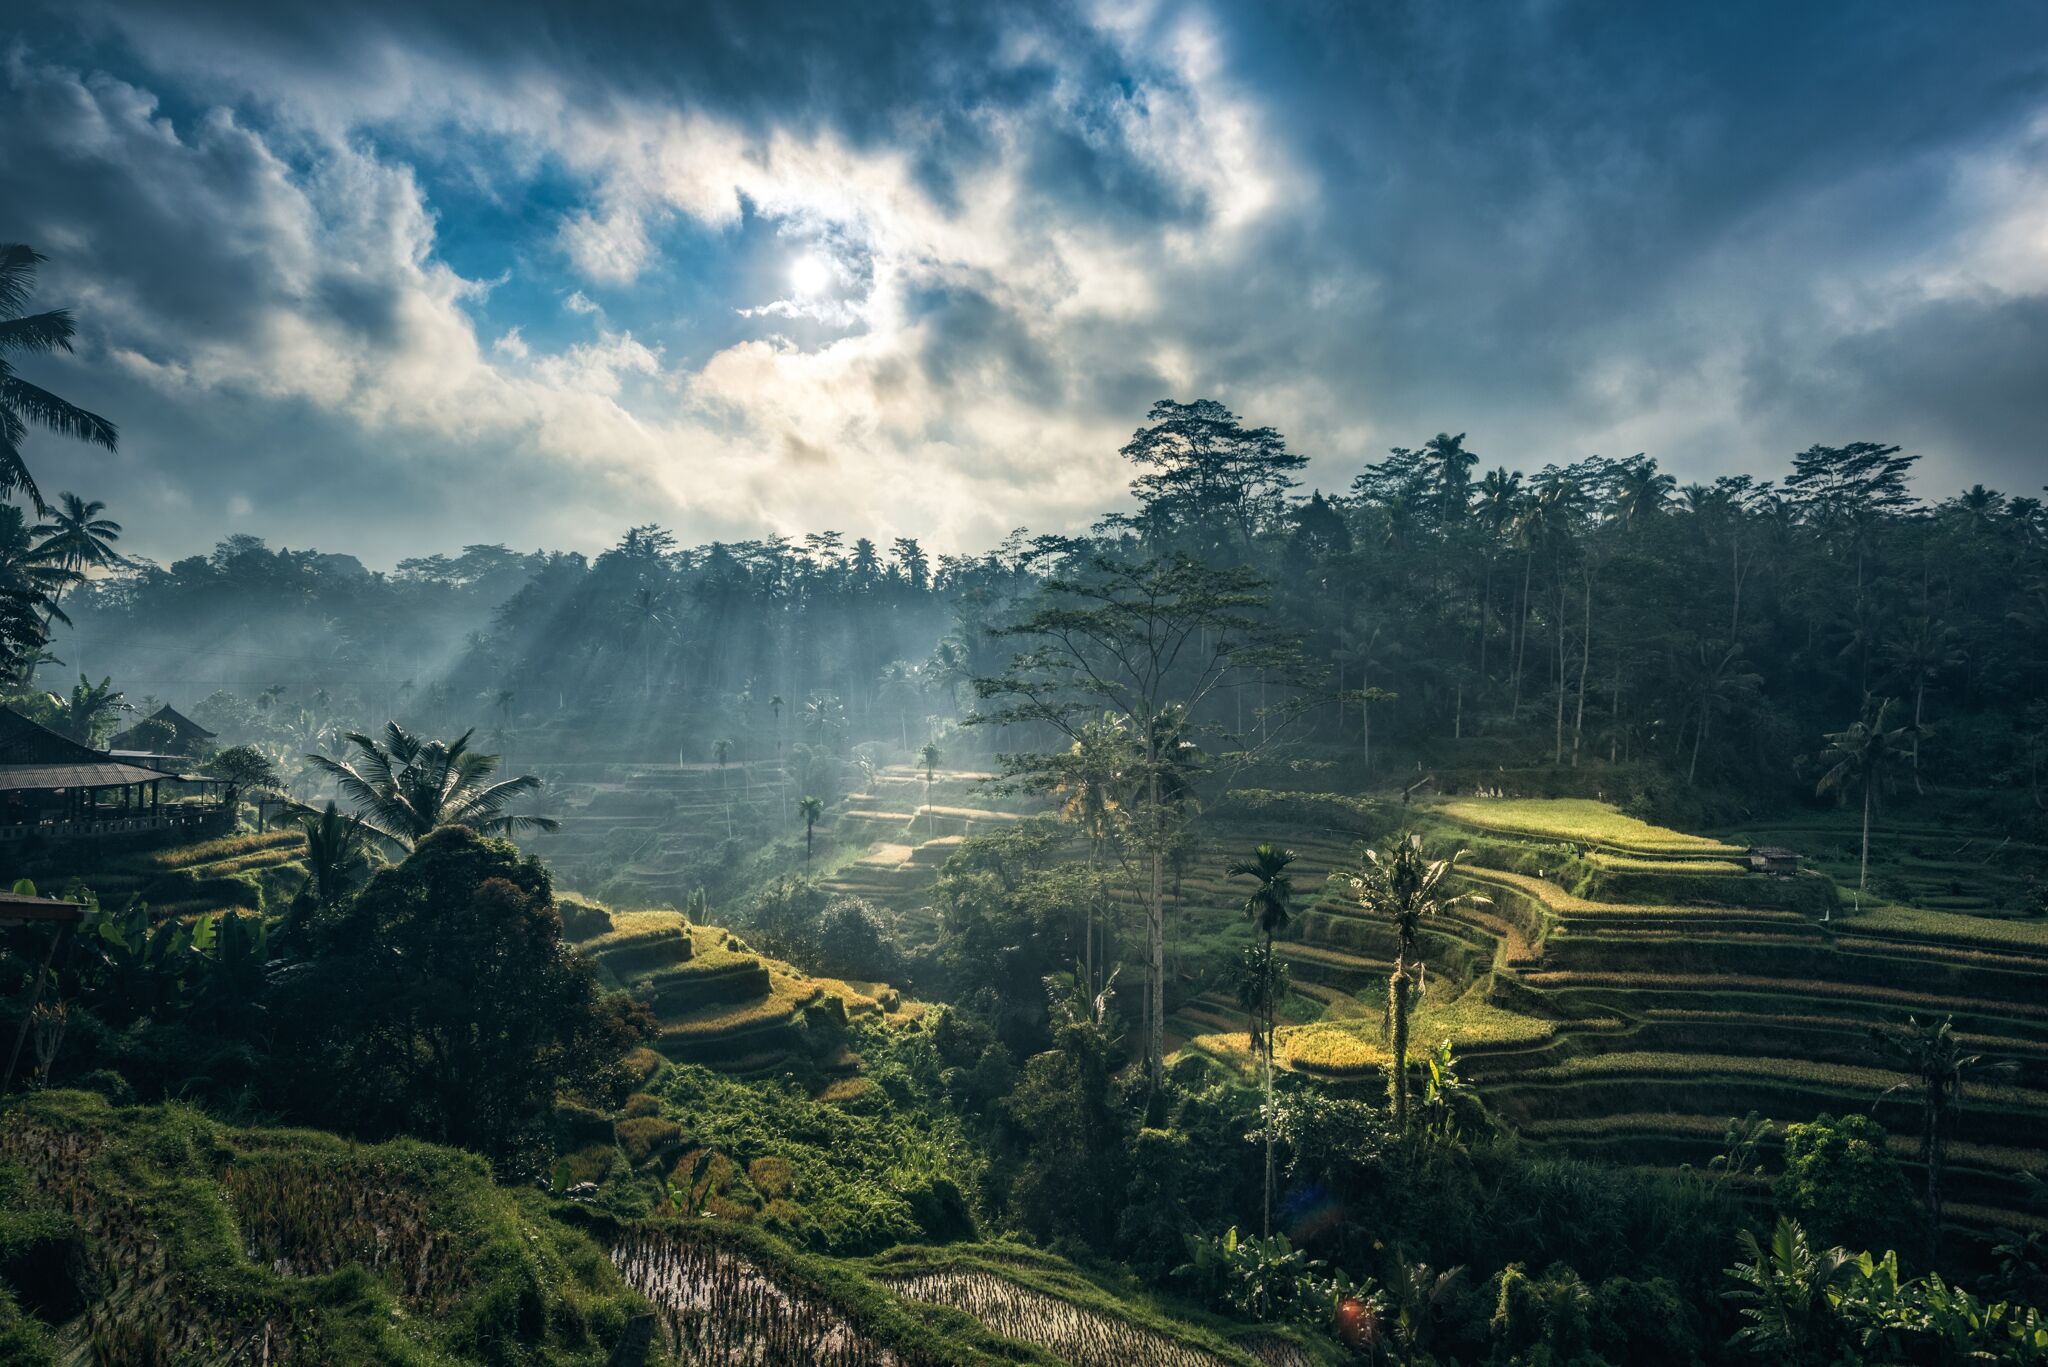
1594	610
1263	926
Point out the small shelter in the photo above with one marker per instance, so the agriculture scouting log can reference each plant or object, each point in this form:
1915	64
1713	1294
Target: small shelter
177	735
1773	859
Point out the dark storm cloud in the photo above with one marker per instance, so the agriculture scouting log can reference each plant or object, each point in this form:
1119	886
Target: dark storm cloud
1716	232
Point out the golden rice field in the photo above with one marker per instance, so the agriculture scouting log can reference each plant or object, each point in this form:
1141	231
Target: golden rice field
1356	1045
1581	821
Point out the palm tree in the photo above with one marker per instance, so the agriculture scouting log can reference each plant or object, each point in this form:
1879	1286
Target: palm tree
1640	492
1089	790
75	539
334	842
1861	754
29	584
1720	682
1406	887
404	787
1933	1059
810	809
929	758
22	403
1920	651
649	615
1268	907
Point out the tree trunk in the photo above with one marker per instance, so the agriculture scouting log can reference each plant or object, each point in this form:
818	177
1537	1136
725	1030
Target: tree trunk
1267	1004
1155	923
1692	772
1557	752
1522	631
1934	1157
1863	873
1365	720
1397	1007
1919	699
1485	618
1585	668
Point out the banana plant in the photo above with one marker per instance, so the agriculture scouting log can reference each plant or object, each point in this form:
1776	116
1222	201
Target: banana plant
143	969
232	963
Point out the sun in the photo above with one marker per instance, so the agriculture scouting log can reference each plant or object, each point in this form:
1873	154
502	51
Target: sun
810	274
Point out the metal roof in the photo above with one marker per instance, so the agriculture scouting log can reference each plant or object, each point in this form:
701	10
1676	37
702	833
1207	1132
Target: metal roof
107	774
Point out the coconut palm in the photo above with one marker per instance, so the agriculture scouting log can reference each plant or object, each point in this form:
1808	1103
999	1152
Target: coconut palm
75	539
29	585
1406	887
1089	787
1861	755
810	809
929	757
1268	907
334	847
404	787
1918	654
21	403
1932	1057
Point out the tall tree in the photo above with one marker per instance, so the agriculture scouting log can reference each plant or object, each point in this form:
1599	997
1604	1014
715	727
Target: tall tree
1407	888
1205	469
1936	1064
75	539
1860	756
1146	641
1268	906
810	808
1919	652
23	404
1090	789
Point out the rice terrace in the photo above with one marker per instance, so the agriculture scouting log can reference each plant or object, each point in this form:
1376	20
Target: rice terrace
1156	684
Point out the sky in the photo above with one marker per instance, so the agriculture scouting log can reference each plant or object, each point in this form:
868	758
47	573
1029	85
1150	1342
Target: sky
393	278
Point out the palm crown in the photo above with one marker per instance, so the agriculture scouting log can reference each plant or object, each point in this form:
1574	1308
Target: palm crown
22	403
1269	904
404	787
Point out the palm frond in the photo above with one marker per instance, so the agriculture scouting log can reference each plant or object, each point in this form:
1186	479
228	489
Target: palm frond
18	264
66	419
50	331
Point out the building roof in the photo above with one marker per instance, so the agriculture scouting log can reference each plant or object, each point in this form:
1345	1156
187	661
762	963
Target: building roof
186	734
104	774
27	742
17	910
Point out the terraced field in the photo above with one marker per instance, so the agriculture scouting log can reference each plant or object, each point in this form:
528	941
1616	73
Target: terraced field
247	871
722	1005
1624	990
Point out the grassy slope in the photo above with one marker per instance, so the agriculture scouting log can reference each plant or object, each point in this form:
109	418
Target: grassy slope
170	1203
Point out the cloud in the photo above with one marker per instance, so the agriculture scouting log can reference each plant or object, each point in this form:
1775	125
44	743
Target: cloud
376	237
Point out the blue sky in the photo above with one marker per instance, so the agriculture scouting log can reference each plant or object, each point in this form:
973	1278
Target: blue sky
393	278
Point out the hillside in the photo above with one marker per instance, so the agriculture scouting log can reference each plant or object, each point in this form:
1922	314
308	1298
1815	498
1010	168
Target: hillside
1625	988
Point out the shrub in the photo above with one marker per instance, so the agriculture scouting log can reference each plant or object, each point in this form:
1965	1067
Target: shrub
1842	1184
